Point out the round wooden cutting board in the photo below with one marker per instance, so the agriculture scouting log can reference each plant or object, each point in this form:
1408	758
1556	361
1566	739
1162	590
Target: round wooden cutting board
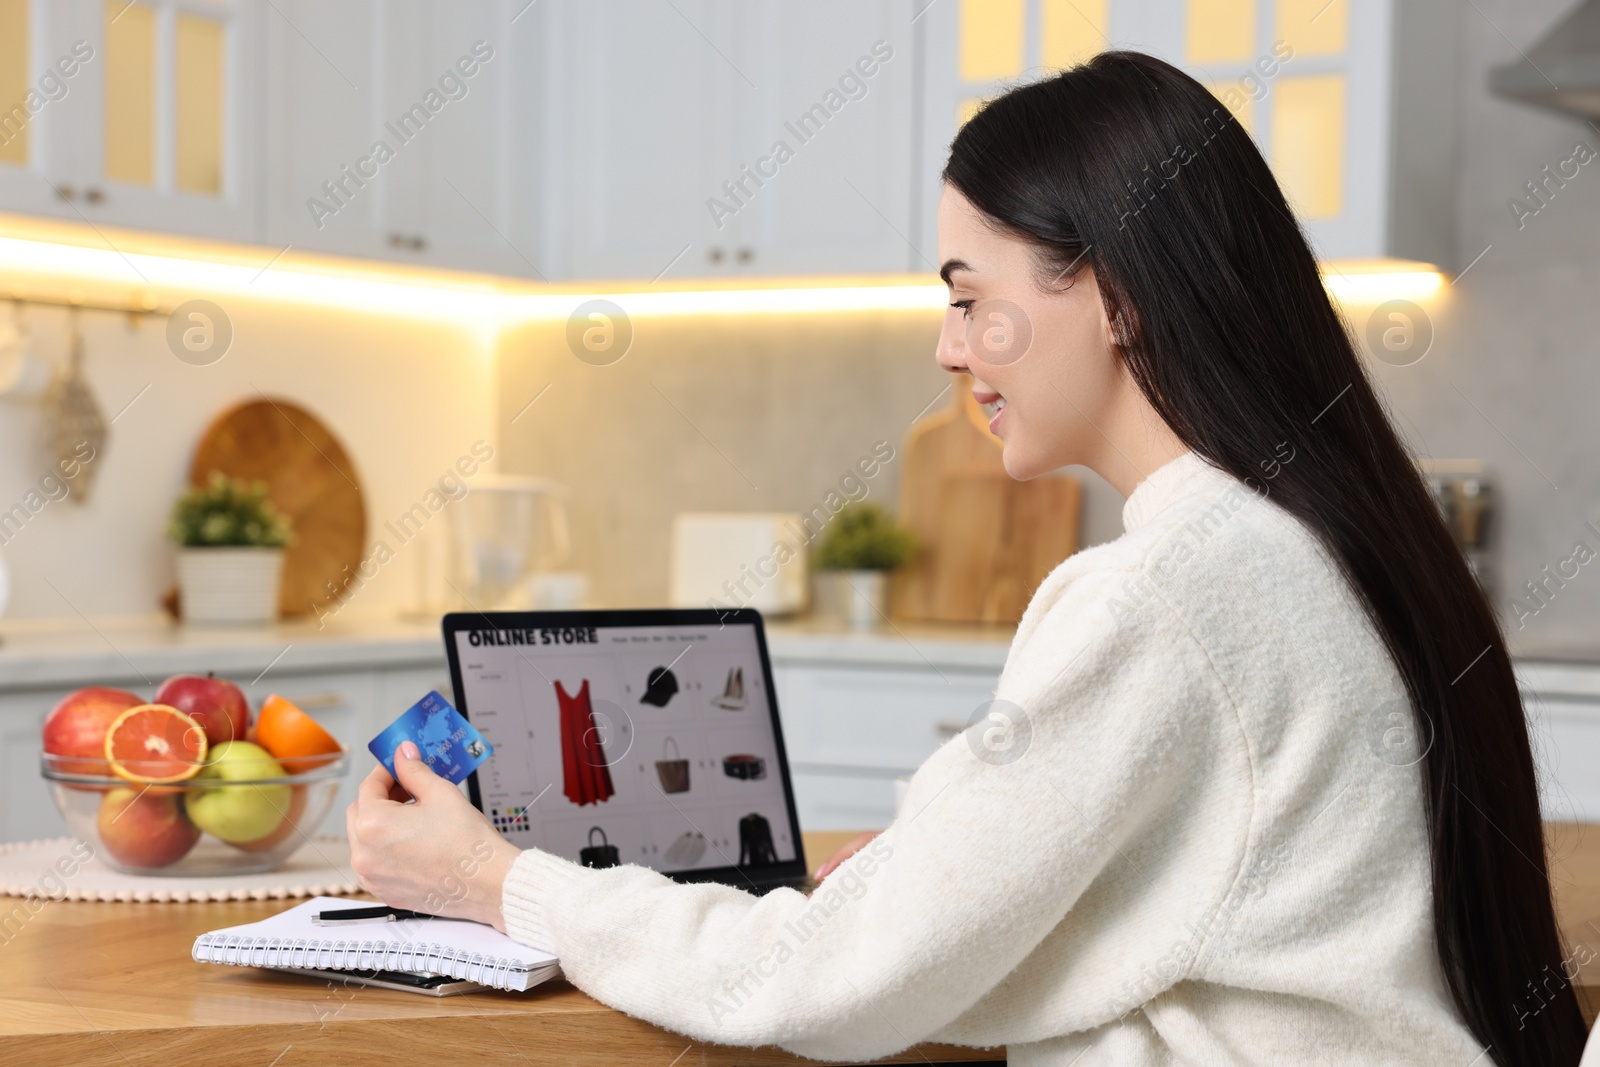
309	477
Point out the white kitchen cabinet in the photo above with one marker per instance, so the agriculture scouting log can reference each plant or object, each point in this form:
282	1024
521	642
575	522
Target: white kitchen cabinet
1566	741
156	127
1563	705
37	129
456	199
605	140
837	91
1357	121
841	800
640	105
849	729
391	134
27	810
664	122
323	113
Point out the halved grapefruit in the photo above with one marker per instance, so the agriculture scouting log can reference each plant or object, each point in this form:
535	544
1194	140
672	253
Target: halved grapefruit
154	744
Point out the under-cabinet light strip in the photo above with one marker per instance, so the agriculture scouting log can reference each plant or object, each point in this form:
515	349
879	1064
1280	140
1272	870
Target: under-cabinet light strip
482	305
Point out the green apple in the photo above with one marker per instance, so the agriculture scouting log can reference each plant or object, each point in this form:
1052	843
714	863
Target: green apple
238	812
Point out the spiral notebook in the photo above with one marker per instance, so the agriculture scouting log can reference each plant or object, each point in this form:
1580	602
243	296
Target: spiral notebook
463	950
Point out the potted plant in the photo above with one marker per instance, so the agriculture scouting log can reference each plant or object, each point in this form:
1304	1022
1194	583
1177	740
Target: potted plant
859	548
230	551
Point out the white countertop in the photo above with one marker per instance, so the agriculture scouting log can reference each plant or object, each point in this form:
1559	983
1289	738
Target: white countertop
65	653
913	645
52	654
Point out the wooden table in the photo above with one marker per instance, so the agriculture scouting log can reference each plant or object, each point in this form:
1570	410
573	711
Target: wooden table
1574	857
112	985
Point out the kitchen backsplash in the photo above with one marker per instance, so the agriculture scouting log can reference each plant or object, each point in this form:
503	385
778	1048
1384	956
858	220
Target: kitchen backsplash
752	413
406	397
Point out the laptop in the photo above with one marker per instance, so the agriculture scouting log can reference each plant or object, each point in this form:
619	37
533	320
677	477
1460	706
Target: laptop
648	737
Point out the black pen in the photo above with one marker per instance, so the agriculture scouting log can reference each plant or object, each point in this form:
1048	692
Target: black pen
378	913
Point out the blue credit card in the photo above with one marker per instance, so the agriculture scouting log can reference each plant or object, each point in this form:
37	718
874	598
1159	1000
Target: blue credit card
448	742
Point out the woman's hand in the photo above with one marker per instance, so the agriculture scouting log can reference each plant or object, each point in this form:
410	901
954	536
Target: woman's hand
439	855
851	847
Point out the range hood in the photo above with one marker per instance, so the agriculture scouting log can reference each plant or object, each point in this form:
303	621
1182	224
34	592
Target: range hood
1568	56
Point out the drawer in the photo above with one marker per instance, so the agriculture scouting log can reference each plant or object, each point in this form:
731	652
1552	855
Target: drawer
1565	732
830	801
883	719
401	688
26	808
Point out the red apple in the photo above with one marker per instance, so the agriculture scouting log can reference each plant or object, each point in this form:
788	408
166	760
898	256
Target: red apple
215	703
145	829
77	727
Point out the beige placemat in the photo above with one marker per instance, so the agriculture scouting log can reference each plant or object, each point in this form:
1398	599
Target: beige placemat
51	869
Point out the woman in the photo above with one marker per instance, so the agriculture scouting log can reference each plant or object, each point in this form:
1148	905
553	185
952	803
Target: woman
1261	789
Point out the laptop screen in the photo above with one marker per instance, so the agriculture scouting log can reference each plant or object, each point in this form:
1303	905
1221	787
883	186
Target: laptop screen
647	742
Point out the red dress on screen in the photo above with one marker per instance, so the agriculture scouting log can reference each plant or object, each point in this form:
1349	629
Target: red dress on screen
586	777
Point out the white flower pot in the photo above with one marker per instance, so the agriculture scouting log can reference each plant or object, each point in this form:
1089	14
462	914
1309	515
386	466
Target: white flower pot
230	586
861	598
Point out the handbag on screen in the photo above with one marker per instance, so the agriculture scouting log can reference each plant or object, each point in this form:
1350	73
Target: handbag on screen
755	842
674	772
599	856
687	849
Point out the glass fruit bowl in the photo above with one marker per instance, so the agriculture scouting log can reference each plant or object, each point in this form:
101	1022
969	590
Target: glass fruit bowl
219	819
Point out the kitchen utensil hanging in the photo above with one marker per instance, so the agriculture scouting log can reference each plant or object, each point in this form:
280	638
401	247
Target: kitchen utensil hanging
23	374
75	426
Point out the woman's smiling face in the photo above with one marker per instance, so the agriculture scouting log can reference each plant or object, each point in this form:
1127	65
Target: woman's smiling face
1041	353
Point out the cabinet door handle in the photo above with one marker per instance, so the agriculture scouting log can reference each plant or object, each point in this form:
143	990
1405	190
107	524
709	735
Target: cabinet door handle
949	727
66	192
715	255
318	701
94	195
745	255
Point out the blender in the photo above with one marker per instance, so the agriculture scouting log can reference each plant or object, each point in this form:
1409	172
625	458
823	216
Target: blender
509	537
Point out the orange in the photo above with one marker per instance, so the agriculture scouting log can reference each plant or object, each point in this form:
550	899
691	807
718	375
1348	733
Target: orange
152	743
293	737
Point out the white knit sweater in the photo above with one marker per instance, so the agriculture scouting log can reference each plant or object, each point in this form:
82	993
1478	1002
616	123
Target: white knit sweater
1203	841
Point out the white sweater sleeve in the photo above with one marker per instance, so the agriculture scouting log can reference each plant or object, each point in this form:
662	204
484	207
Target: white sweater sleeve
1003	840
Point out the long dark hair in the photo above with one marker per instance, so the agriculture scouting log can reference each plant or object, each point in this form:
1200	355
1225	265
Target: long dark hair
1128	165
